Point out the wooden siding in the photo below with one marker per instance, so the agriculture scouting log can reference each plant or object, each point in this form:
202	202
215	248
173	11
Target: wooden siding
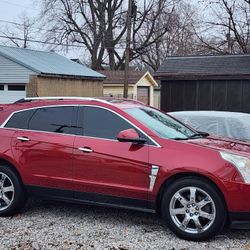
11	72
53	86
224	95
117	90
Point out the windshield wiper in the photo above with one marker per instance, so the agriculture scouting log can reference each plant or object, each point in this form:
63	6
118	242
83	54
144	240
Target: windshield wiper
179	138
198	133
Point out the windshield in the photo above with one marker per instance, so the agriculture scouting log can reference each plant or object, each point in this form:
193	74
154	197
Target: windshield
162	124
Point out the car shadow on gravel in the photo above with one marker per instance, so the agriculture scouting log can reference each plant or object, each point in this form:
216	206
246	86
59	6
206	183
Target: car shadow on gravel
107	214
145	222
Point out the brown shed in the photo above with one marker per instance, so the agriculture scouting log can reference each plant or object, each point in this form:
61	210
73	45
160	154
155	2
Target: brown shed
220	82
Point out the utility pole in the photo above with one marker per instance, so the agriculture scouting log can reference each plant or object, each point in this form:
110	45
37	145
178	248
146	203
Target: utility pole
229	42
127	52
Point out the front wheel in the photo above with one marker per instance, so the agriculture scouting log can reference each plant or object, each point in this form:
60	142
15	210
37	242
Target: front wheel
193	209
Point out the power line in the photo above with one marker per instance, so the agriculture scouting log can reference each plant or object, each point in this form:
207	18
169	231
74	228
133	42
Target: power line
9	22
42	42
21	24
49	43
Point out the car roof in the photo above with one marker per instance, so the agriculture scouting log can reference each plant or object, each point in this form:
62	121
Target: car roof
33	102
38	101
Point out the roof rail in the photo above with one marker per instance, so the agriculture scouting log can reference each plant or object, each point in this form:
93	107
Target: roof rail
29	99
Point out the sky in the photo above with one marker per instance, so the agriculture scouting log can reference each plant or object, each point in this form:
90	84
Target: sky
11	9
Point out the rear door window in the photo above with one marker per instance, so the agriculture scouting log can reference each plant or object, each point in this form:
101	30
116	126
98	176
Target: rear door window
53	119
50	119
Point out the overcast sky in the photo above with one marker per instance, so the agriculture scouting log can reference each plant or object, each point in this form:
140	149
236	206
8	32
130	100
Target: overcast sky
11	9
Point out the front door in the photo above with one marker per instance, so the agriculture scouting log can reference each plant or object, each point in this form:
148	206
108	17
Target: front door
106	170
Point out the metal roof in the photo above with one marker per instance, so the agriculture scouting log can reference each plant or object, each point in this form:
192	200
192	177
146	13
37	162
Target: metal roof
117	76
48	63
205	65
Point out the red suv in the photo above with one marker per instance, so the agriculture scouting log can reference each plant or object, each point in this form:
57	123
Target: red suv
122	154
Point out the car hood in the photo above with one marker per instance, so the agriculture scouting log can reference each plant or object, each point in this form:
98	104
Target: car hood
222	144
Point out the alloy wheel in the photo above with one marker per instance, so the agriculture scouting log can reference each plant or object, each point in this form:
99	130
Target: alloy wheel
192	210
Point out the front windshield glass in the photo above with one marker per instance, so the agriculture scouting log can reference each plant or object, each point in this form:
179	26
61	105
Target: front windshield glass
160	123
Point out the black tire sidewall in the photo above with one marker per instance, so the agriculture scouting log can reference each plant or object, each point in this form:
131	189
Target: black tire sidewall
20	195
220	207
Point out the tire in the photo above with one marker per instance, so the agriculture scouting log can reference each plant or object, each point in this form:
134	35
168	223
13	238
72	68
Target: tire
193	209
12	192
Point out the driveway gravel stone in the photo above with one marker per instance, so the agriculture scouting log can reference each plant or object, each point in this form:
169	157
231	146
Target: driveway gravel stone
56	225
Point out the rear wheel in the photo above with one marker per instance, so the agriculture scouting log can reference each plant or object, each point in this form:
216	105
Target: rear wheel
193	209
12	193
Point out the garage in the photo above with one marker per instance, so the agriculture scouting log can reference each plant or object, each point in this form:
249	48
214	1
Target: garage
10	93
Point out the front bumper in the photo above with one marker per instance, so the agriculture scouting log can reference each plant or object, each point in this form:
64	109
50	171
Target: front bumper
237	197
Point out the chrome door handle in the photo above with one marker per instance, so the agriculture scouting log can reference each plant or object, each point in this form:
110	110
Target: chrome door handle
23	138
86	150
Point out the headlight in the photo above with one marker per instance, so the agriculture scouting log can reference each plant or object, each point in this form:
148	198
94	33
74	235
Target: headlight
240	162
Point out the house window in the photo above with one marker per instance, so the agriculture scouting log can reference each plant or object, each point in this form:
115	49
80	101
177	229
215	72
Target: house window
16	87
1	87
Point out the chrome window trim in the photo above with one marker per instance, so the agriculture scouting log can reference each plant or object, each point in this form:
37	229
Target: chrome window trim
22	110
76	105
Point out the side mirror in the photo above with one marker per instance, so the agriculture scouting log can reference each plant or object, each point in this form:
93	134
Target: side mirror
130	135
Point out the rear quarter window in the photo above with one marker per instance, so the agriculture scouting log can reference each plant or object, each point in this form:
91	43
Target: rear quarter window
20	119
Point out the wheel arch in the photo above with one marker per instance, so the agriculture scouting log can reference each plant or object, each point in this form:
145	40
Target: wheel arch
181	175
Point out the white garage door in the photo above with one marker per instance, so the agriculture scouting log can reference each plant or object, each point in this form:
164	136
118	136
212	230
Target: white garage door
11	93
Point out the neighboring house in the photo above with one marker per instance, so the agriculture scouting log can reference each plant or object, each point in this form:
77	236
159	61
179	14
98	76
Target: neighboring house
25	72
141	86
205	83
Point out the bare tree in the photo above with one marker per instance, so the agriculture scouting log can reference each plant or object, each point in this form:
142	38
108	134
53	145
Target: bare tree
179	40
228	31
18	33
100	26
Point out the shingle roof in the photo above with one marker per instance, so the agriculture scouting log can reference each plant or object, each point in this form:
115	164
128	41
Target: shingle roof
205	65
117	77
48	63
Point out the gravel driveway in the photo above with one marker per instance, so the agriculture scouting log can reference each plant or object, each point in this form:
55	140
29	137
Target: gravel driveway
52	225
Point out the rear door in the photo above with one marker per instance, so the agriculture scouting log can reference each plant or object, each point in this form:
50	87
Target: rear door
106	170
43	144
